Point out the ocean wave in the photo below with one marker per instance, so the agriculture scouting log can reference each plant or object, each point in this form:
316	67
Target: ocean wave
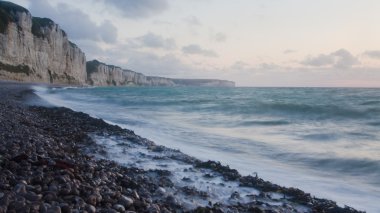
264	123
321	137
316	111
366	103
356	167
375	123
348	166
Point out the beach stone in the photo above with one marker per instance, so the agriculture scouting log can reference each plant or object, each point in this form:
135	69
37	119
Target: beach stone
50	196
20	188
90	208
44	207
1	195
135	195
153	208
54	209
65	208
126	201
235	195
79	201
18	203
34	207
119	207
172	201
31	196
255	210
92	199
65	190
160	191
53	187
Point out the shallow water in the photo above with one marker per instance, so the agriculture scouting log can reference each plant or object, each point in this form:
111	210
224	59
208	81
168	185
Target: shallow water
324	141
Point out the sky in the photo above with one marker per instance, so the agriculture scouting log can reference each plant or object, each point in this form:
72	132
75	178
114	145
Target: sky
324	43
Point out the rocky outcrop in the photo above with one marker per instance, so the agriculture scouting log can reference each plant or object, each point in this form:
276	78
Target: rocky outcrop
36	49
101	74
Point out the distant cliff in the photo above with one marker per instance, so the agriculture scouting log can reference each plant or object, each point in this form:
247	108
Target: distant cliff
36	49
101	74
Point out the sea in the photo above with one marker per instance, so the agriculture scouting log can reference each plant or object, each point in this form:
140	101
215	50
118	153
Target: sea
325	141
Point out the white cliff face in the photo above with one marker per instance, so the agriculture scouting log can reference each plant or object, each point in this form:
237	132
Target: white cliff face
36	50
100	74
49	57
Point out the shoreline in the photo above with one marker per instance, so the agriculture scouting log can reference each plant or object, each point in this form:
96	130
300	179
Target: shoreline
51	161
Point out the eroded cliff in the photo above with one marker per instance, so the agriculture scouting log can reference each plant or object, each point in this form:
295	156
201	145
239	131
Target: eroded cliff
101	74
36	49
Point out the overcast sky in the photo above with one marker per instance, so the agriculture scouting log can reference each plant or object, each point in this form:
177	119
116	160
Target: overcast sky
252	42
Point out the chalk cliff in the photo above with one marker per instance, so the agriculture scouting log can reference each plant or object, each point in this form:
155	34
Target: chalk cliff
101	74
36	49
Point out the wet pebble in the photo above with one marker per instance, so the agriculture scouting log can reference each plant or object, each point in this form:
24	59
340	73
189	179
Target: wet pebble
20	188
92	200
126	201
160	191
90	208
119	207
154	208
54	209
33	197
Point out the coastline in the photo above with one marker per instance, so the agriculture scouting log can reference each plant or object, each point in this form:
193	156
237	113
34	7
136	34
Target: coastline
51	161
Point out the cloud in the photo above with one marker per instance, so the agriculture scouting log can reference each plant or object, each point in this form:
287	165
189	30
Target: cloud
239	65
375	54
75	22
151	64
220	37
268	66
152	40
138	8
318	61
242	66
192	21
342	59
289	51
194	49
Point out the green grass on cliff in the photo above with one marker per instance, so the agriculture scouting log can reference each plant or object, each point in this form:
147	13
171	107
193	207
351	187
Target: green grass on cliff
38	24
16	69
8	12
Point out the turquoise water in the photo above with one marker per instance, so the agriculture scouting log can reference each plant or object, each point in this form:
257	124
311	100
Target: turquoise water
324	141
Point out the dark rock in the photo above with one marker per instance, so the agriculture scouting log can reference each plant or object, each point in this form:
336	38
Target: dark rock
90	208
20	188
225	171
33	197
235	195
92	199
65	208
125	201
154	209
54	209
119	207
